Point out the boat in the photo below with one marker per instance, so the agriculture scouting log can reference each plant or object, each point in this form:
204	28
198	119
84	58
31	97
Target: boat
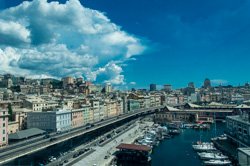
217	162
174	132
204	147
212	156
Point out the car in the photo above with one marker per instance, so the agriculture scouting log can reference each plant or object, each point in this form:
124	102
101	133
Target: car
52	158
75	155
106	157
52	139
46	136
87	149
65	161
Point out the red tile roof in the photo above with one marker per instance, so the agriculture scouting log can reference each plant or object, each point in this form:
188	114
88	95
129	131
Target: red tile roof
134	147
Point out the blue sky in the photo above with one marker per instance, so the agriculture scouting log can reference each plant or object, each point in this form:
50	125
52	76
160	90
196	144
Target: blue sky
184	40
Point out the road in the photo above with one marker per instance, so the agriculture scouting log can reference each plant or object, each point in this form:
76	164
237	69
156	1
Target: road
32	146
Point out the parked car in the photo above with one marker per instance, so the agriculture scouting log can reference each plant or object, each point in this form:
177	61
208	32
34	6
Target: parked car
52	139
46	136
75	155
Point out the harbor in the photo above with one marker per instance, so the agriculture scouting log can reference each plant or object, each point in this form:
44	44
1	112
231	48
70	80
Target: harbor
179	150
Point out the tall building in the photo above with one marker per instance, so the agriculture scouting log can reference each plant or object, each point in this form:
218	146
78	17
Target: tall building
3	127
108	88
207	84
152	87
167	87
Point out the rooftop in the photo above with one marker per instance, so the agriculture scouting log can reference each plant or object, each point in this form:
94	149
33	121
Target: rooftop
245	150
26	133
134	147
240	118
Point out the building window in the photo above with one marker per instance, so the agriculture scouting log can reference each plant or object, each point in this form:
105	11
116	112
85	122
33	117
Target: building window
3	131
3	139
3	124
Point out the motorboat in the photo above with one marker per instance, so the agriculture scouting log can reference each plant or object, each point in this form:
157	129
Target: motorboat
212	155
204	147
217	162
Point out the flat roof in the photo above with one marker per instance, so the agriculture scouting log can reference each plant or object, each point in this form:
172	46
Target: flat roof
26	133
239	119
134	147
245	150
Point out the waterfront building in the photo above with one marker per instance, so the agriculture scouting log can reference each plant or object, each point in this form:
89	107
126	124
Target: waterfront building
86	114
111	107
103	111
132	154
170	114
77	118
95	107
3	127
238	129
119	107
58	120
133	105
244	156
152	87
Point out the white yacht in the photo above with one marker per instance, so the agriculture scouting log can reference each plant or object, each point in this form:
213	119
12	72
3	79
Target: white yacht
214	156
204	147
217	162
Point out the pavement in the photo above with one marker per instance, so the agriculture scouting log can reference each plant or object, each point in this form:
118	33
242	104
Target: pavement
97	157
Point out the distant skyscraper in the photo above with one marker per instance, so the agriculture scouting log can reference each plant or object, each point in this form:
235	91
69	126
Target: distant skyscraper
207	84
191	85
167	87
152	87
108	88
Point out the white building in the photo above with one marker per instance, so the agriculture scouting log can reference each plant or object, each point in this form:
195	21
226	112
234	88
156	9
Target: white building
108	88
58	120
39	104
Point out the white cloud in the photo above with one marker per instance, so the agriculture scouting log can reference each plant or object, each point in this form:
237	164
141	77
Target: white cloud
132	83
53	39
12	33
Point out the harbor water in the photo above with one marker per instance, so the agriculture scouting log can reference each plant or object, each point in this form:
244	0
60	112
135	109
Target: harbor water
178	151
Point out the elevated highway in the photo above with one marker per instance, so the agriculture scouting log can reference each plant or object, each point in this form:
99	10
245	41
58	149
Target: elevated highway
37	144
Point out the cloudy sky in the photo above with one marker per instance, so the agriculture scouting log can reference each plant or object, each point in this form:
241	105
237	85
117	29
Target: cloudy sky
127	42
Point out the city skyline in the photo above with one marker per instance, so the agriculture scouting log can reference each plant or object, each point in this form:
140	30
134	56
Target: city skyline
163	42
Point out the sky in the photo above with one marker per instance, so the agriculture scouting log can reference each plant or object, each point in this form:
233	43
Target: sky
126	42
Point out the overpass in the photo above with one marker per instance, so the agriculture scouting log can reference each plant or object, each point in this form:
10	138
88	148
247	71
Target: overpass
32	146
